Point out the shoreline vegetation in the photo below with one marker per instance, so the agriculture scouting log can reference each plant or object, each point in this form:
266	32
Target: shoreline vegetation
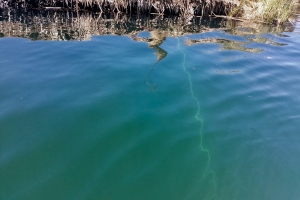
275	12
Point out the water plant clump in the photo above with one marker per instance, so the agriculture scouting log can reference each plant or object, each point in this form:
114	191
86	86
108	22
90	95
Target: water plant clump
276	11
266	11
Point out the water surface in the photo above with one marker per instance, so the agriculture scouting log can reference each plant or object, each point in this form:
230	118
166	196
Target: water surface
212	114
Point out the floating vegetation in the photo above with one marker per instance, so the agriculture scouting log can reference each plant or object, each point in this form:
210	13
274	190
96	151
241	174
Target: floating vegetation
226	44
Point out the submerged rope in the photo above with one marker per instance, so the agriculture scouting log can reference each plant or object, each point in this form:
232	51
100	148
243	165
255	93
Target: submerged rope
199	119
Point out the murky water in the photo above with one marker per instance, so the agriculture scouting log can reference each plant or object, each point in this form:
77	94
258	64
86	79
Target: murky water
169	110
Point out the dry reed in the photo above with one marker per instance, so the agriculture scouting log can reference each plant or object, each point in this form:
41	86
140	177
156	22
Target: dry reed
160	7
266	11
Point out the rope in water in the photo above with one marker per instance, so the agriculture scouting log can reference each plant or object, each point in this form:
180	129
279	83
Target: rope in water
198	118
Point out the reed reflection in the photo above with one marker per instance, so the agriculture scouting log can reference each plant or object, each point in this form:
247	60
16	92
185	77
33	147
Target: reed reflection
81	26
66	25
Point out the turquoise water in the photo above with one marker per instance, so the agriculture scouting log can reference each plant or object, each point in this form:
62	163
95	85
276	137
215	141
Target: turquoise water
104	119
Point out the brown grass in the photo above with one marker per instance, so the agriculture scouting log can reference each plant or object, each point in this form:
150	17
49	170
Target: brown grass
267	11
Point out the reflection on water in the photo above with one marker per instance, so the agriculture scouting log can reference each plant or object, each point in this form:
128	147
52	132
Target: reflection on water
52	25
64	26
226	44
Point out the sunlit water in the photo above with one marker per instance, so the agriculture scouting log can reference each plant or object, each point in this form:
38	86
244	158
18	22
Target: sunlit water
215	116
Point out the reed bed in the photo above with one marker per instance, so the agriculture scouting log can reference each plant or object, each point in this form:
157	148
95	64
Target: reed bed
160	7
266	11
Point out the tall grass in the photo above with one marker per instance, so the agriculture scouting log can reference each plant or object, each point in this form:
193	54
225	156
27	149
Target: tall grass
276	11
267	11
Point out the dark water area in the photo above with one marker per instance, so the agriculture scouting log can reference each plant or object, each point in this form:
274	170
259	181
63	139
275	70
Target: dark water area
148	108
